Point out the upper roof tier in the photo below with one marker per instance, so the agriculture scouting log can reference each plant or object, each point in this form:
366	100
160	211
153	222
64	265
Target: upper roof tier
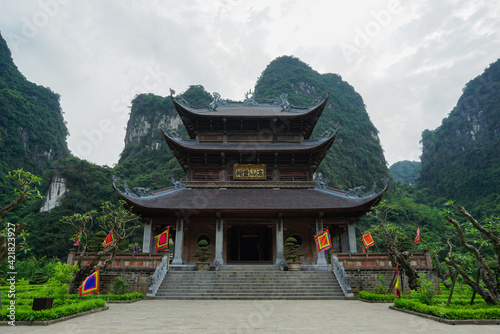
223	116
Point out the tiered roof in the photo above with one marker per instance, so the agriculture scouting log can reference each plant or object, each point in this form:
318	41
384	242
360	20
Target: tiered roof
271	134
276	115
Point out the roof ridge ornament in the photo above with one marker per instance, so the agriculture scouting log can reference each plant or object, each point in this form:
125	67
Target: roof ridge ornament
329	132
322	183
177	184
215	103
317	101
170	132
249	100
283	101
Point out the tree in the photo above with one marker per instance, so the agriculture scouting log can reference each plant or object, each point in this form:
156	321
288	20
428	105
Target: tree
23	190
395	240
113	218
482	240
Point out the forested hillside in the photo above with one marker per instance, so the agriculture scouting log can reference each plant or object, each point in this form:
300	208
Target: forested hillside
356	158
32	129
405	171
460	159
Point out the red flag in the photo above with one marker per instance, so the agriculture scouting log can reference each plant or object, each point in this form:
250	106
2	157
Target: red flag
162	239
323	241
78	237
368	239
90	284
110	238
417	237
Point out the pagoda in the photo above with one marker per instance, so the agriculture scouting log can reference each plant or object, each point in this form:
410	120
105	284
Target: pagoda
249	185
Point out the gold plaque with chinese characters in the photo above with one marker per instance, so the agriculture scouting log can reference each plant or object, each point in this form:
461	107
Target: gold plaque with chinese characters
249	172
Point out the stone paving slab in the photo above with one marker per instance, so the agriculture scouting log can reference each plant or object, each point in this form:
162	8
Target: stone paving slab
250	316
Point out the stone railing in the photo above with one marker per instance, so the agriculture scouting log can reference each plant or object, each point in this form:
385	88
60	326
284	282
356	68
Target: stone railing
122	261
159	275
342	277
380	261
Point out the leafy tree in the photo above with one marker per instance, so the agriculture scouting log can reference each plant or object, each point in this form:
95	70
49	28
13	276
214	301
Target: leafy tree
395	240
23	190
113	218
482	240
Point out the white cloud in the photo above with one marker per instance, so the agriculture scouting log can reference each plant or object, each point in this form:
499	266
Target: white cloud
409	61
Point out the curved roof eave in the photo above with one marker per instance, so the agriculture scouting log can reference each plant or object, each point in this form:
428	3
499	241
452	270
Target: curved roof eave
298	113
311	146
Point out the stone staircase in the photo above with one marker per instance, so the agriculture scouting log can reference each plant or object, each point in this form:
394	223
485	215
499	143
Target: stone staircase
250	283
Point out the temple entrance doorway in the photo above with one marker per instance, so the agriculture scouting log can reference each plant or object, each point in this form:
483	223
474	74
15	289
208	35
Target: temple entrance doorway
249	243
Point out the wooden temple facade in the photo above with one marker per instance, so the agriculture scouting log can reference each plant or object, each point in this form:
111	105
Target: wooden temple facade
249	185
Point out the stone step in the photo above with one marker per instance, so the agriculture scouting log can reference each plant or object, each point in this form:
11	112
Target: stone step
259	284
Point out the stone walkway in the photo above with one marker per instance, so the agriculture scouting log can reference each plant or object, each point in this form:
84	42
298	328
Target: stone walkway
254	316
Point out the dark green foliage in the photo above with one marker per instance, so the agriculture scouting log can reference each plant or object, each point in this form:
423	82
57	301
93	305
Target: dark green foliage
356	158
405	171
32	129
460	159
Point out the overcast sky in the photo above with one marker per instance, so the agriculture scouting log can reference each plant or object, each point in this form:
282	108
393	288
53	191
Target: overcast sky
409	60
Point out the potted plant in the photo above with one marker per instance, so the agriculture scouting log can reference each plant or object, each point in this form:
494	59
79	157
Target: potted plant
292	254
203	255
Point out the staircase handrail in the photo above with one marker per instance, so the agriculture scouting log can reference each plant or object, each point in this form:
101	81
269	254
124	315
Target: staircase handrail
342	277
158	275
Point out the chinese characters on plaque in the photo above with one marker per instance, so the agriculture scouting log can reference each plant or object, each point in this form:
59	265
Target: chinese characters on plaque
249	172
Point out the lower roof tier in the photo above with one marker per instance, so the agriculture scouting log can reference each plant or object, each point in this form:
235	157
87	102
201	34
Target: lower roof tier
207	200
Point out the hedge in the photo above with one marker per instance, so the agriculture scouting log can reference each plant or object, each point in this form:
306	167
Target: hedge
375	296
53	313
456	313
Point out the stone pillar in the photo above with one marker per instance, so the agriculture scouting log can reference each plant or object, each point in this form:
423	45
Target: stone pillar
146	239
280	255
219	240
321	260
71	257
351	232
179	239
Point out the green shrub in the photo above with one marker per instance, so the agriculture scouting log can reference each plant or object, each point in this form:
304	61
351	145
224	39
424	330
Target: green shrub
375	296
381	287
120	286
425	291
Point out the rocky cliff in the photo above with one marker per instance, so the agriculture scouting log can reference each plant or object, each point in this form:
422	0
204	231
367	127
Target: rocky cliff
460	159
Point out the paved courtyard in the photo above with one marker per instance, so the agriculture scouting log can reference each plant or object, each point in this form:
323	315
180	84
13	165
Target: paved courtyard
265	316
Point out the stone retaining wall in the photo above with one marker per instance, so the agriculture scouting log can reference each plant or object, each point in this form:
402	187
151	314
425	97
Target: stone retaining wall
365	269
135	268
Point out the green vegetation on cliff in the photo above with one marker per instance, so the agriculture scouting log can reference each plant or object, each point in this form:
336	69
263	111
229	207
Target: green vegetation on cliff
32	129
356	158
460	159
